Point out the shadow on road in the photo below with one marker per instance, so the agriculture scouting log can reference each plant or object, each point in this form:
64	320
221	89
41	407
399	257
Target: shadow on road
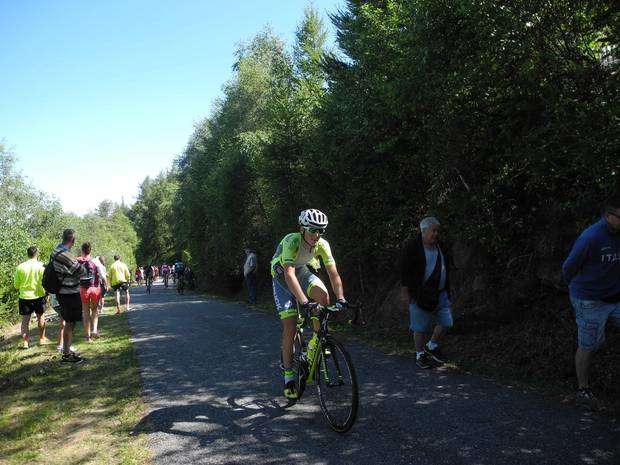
211	378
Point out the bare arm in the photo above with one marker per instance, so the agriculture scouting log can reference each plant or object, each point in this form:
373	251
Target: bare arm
334	278
293	284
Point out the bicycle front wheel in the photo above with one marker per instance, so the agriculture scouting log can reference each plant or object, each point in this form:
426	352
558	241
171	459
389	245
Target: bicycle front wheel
337	386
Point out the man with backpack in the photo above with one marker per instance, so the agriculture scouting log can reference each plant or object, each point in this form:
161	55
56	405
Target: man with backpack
425	281
90	292
62	277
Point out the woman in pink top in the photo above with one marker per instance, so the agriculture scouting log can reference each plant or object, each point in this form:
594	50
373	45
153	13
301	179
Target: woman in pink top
90	291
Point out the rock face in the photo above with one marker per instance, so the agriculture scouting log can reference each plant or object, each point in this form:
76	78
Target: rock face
393	312
462	255
480	284
550	273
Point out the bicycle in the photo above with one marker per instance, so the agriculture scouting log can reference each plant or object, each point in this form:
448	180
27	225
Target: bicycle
331	369
149	283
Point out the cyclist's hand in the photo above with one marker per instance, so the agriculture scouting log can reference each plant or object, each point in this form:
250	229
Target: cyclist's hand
308	307
342	304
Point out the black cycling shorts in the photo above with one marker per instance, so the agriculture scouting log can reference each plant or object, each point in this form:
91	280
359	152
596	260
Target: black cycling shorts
27	306
120	286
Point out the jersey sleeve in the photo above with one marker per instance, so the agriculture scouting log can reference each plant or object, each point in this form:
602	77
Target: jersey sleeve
325	252
290	249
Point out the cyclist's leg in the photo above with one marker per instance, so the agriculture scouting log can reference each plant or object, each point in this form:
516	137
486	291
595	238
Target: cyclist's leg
288	334
286	306
315	290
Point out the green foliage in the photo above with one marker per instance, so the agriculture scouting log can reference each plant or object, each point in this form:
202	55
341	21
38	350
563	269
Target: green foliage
500	118
154	219
30	217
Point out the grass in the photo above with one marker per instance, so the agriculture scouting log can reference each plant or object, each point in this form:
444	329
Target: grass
516	355
52	413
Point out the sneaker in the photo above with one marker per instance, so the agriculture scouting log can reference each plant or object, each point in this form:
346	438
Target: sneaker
71	358
424	361
585	395
71	349
25	345
45	341
435	354
290	390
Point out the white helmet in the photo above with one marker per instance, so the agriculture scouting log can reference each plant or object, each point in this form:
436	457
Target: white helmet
313	218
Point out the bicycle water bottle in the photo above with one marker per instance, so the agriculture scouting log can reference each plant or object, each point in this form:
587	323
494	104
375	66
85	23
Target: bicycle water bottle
312	347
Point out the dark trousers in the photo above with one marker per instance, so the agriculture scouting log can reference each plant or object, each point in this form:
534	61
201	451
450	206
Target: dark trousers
250	282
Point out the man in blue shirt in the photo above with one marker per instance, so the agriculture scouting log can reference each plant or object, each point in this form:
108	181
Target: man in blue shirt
592	271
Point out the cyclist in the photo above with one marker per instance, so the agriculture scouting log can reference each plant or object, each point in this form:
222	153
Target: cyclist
149	276
165	271
179	271
294	282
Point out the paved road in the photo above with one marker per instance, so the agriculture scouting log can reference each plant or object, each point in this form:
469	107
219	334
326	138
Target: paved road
211	379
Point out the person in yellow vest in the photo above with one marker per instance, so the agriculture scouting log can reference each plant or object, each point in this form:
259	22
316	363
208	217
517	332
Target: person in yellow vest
120	278
27	280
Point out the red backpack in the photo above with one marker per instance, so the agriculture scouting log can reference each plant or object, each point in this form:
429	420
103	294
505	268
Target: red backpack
91	276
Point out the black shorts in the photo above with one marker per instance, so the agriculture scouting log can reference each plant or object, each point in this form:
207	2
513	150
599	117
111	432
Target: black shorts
70	307
123	286
27	306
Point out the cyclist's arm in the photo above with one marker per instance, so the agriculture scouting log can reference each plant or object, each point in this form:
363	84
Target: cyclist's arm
293	284
334	278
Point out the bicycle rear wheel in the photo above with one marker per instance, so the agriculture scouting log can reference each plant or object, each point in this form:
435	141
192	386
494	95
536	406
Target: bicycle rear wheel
300	365
337	386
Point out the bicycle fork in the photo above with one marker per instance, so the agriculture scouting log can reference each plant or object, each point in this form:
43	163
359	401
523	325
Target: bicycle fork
320	353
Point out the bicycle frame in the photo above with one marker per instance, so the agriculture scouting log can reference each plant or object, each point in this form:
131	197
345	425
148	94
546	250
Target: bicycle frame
324	313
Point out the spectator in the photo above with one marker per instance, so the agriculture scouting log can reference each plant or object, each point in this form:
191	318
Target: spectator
27	280
424	277
119	280
103	283
90	292
592	271
249	274
69	270
56	306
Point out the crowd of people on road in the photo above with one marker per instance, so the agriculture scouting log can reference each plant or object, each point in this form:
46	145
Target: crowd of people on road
182	275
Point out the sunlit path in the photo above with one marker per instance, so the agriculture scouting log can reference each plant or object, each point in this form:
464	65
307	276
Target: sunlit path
212	383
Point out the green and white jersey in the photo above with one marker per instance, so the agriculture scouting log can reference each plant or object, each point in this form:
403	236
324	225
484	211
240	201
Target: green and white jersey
291	252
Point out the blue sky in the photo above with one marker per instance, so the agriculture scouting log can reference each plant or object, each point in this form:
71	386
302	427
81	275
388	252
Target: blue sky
94	96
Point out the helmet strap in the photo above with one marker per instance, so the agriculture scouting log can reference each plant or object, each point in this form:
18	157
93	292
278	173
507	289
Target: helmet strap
303	237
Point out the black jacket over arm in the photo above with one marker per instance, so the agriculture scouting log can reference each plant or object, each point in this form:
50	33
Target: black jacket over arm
413	265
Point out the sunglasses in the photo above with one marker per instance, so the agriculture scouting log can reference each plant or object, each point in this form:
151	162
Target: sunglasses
315	230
